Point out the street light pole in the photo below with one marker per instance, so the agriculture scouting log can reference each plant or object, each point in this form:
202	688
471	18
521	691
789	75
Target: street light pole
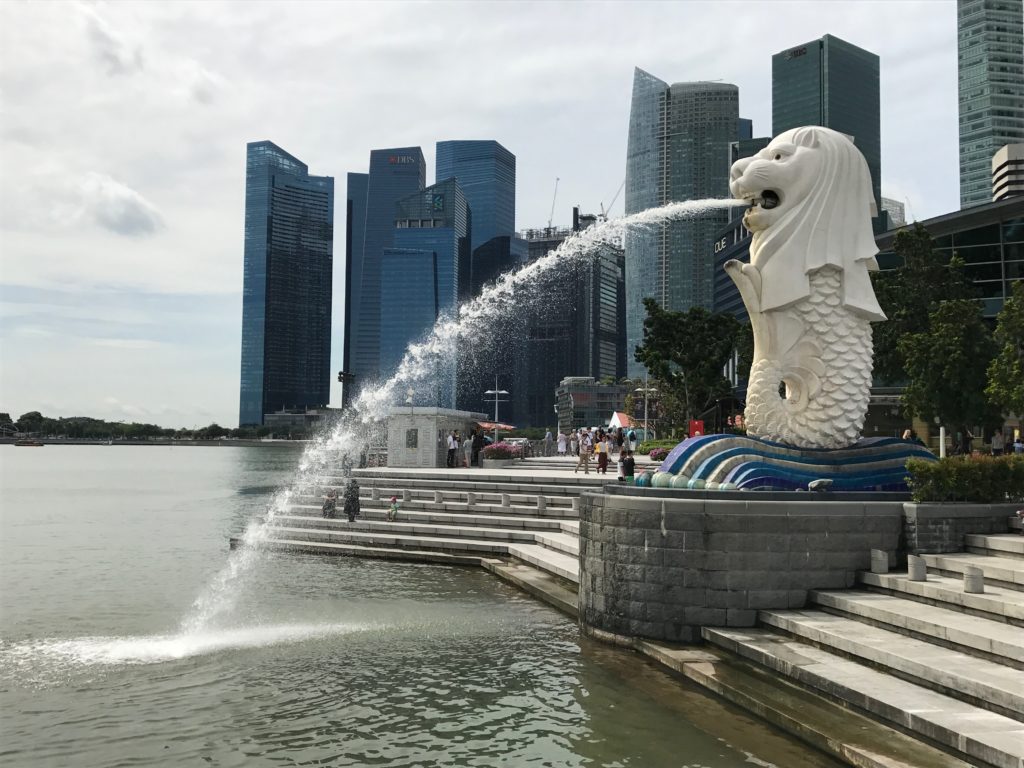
497	394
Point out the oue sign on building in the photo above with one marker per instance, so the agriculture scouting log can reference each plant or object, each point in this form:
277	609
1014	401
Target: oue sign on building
720	245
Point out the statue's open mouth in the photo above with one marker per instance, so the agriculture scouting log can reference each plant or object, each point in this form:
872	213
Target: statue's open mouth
769	199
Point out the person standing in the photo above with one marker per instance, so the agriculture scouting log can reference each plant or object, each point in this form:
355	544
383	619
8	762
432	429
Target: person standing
604	445
351	501
562	440
547	442
574	443
586	449
478	445
452	447
628	467
330	504
467	448
998	444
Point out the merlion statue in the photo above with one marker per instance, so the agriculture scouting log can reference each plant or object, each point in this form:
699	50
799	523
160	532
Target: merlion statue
807	287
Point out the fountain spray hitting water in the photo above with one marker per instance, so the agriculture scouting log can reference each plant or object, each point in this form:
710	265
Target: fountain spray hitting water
366	417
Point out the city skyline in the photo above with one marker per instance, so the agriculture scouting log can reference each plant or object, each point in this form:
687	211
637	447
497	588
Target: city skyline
121	239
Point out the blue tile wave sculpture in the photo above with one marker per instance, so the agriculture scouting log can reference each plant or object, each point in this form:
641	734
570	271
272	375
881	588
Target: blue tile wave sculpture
738	462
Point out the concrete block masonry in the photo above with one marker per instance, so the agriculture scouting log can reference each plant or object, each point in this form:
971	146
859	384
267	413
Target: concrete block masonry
662	567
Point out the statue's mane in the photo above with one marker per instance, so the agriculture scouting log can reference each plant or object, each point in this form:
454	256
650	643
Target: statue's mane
830	226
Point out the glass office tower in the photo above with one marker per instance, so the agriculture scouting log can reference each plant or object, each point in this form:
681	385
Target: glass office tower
990	63
835	84
678	149
394	174
420	277
355	221
486	171
286	294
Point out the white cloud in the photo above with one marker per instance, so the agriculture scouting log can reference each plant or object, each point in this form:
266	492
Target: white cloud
123	131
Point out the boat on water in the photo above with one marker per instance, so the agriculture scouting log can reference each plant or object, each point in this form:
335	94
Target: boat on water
29	443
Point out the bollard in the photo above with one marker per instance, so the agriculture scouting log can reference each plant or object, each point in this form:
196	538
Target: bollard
375	493
542	503
974	580
406	495
437	497
470	500
506	500
917	569
879	561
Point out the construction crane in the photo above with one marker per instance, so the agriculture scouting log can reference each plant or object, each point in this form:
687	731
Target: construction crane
551	216
606	211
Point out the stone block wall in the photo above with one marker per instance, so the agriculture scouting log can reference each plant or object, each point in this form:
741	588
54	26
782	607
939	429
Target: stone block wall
937	528
662	567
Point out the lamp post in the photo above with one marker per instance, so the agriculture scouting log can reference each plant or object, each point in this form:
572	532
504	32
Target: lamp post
496	394
646	390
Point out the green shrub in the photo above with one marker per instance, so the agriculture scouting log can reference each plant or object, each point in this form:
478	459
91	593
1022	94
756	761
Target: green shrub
975	479
648	445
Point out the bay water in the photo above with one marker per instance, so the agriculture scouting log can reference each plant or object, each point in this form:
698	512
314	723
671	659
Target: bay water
320	660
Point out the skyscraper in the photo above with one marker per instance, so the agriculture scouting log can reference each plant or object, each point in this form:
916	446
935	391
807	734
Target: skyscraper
990	64
355	221
421	282
394	174
678	149
486	171
835	84
286	294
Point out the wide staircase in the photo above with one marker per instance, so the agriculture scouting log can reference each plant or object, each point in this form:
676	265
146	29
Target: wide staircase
927	657
529	514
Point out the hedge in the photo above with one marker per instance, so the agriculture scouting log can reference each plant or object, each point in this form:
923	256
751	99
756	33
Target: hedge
975	479
502	450
648	445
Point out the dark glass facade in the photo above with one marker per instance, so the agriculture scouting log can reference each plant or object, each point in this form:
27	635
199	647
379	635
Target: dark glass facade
355	209
678	149
420	277
583	402
394	174
990	65
578	329
286	294
486	171
835	84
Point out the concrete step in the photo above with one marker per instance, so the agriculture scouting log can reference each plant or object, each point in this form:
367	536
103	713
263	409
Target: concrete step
355	550
562	565
997	641
479	507
558	563
523	481
996	603
1005	572
981	682
428	517
556	540
853	738
1000	545
985	738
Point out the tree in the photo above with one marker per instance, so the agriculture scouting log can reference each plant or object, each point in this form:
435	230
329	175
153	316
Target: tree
1006	371
686	352
5	418
909	294
947	365
30	422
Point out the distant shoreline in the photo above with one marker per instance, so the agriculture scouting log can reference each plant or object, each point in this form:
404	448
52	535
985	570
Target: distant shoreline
230	443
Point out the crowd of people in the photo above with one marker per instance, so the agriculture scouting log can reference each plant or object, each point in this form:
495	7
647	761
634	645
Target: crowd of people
585	444
464	451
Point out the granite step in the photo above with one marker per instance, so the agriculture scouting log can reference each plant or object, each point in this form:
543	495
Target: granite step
556	540
985	738
354	550
1005	572
558	563
984	683
428	517
479	507
1000	545
997	641
996	603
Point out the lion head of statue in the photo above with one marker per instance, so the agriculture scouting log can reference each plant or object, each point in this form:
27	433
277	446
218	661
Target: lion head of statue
811	206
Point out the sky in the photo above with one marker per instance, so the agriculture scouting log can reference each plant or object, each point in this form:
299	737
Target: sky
123	129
